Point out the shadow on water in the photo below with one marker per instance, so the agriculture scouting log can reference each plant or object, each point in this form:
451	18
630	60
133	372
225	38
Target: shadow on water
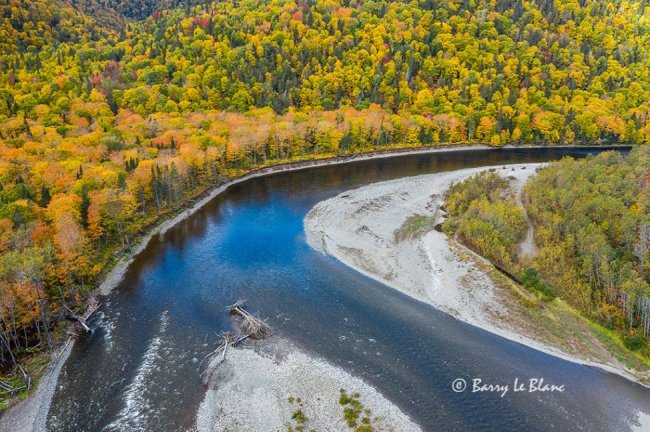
139	370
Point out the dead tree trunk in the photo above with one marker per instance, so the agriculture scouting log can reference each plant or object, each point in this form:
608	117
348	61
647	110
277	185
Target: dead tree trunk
250	326
93	305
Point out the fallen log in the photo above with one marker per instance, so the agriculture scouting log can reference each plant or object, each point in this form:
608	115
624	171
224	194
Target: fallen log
214	359
13	390
93	305
250	324
8	388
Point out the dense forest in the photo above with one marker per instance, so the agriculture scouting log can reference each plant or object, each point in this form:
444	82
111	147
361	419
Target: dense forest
591	220
114	113
592	225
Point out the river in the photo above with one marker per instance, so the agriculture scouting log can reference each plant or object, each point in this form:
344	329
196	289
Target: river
138	371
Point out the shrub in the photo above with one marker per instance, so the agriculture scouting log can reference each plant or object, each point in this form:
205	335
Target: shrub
532	281
634	342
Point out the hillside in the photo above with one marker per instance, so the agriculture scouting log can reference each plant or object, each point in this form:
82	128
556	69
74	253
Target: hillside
498	72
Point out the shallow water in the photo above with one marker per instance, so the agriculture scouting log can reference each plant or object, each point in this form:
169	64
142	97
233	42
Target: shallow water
139	370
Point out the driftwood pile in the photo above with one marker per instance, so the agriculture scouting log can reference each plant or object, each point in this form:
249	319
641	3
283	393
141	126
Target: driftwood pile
250	327
81	320
8	388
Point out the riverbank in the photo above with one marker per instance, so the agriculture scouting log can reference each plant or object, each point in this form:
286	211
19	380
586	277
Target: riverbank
116	273
384	231
30	414
261	389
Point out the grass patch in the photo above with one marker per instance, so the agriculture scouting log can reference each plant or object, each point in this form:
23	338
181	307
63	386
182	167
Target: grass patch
355	414
413	227
298	418
612	341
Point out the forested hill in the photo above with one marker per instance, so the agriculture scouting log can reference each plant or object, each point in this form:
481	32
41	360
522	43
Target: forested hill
496	71
591	220
115	113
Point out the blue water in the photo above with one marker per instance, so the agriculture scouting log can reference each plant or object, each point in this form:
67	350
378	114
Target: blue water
139	369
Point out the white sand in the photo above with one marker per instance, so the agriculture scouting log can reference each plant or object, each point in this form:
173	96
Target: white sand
250	392
358	228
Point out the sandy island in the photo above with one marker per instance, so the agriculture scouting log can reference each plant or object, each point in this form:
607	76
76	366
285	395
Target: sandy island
368	230
251	391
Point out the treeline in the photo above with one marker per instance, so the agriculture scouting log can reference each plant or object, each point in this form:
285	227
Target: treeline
67	204
591	221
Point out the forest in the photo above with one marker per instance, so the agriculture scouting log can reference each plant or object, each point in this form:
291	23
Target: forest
484	216
591	220
113	114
